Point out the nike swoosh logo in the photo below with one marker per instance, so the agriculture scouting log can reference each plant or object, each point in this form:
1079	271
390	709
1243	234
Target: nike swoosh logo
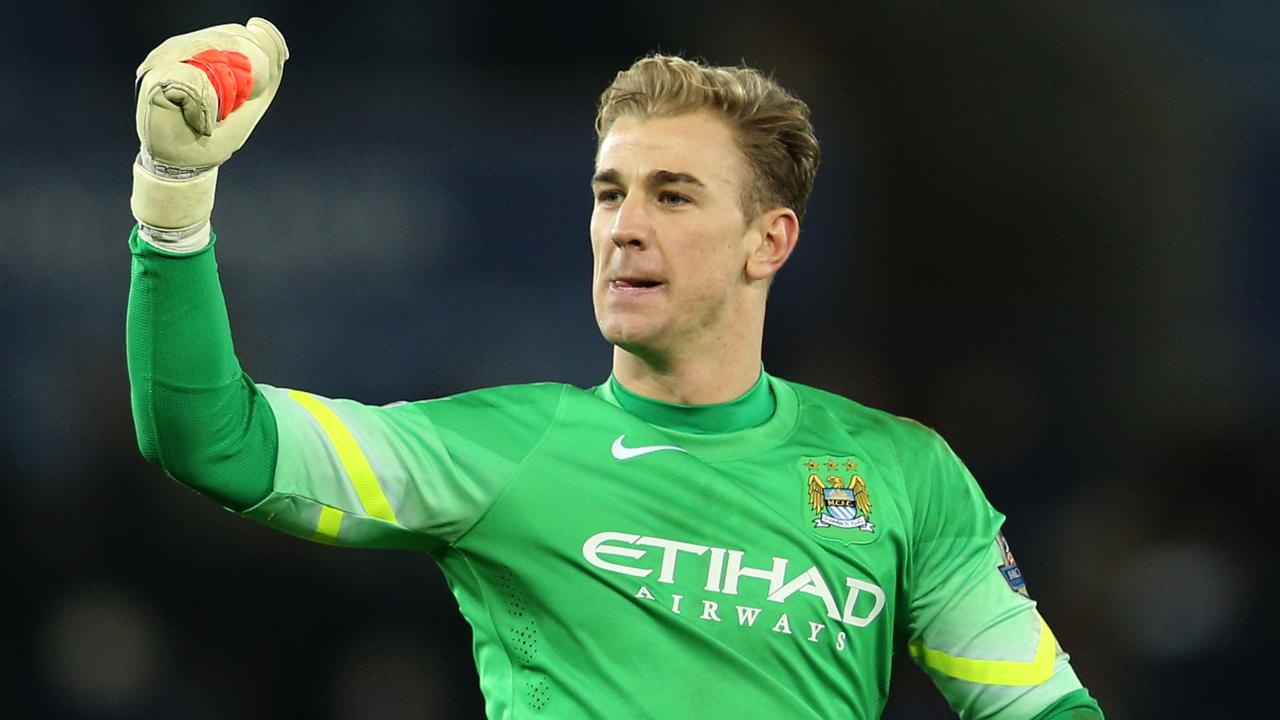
622	452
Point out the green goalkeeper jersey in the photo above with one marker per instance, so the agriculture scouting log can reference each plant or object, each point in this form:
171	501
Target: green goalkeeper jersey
611	567
615	561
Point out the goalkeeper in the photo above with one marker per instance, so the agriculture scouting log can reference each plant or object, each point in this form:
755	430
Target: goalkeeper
693	537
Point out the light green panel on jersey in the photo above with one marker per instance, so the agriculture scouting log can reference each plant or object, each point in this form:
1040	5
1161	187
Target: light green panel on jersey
409	475
983	661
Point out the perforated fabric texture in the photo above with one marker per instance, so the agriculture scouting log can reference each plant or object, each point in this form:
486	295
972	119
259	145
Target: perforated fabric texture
523	638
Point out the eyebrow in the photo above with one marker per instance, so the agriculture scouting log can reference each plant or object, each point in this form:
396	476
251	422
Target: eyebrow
657	177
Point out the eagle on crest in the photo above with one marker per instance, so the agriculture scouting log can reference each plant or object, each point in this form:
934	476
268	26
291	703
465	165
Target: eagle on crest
839	505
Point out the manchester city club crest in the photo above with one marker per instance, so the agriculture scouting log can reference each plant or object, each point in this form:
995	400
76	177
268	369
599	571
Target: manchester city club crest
838	497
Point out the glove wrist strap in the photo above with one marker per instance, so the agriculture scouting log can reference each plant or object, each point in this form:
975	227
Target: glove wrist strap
169	172
172	205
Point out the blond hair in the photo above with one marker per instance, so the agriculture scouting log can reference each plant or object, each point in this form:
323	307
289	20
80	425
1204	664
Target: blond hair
771	125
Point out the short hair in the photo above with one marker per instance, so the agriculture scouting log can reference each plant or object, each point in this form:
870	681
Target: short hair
771	125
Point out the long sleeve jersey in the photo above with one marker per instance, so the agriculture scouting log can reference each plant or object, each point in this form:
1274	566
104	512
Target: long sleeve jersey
616	556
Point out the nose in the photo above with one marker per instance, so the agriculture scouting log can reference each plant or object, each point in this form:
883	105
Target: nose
631	226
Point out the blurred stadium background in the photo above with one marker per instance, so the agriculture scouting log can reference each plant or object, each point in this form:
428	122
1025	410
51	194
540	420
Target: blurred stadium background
1046	229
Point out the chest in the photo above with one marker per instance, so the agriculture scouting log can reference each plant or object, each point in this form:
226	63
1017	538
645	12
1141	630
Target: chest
810	528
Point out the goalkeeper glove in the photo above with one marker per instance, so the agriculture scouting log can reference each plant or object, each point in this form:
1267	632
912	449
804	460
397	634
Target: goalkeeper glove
199	96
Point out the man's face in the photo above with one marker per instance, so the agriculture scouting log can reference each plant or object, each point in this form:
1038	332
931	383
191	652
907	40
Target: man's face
668	233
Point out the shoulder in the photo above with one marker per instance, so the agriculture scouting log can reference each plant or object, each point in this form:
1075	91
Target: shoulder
541	393
529	403
912	455
906	435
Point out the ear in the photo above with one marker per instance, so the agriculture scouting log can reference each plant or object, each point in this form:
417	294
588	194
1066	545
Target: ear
775	235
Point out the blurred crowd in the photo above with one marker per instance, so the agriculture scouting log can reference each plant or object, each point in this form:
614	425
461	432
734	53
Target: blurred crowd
1047	230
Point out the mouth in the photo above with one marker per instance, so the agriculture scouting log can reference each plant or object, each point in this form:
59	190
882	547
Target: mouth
634	285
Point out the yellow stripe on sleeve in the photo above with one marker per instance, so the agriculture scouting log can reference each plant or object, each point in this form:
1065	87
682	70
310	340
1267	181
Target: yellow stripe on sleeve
352	457
328	525
993	672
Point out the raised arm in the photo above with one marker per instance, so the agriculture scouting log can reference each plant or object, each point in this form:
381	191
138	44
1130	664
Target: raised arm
337	471
199	96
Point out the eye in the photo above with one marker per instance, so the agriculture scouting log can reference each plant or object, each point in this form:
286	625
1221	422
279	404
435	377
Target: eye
609	195
674	199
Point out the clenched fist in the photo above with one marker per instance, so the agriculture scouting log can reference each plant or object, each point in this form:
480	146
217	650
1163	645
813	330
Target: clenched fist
199	97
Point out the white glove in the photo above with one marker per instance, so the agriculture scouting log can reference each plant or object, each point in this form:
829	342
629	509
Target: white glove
199	96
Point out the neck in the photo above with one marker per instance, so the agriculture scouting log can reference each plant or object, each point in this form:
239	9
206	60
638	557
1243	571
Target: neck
701	380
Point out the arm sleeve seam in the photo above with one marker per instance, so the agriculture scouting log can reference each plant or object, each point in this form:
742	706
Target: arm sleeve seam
555	418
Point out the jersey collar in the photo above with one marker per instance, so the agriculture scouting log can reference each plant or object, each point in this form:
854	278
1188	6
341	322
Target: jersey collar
761	418
752	408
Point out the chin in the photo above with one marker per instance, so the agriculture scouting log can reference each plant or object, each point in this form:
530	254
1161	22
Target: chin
626	333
